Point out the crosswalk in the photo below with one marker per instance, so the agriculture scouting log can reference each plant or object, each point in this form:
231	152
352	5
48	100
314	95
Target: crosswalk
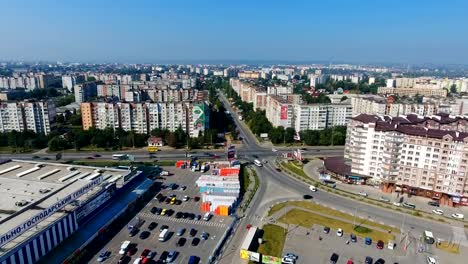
181	220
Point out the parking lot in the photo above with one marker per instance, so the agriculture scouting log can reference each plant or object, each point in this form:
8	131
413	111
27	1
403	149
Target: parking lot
312	250
175	220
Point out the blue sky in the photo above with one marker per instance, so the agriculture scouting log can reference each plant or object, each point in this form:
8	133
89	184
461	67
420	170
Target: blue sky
412	31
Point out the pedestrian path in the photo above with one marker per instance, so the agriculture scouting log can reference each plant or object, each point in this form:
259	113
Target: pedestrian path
459	235
182	220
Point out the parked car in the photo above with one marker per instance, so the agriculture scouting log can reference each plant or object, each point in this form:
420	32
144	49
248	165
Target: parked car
196	199
409	205
186	198
163	227
291	255
163	212
178	215
145	252
433	203
350	261
180	231
353	238
198	217
154	210
171	256
195	241
384	199
286	260
192	232
134	231
334	258
183	188
437	212
458	216
380	261
131	251
144	234
152	225
204	236
151	255
103	256
181	242
326	230
368	260
380	244
339	232
363	194
368	241
396	203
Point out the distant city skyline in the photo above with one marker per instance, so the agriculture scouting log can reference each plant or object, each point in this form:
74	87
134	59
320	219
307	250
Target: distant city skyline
408	32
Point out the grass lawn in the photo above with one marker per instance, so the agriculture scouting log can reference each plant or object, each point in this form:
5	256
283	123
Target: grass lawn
308	219
273	240
276	208
295	169
325	210
8	149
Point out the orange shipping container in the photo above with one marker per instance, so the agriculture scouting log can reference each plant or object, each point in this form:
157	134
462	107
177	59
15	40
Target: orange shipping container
229	171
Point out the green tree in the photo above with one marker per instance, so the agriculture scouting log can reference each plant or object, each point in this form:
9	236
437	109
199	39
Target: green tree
310	137
453	89
277	135
289	135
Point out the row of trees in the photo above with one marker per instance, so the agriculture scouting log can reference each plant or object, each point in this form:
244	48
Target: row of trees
23	141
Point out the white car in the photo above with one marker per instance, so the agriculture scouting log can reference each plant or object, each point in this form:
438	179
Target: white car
437	212
431	260
287	260
363	193
458	216
396	203
339	232
274	150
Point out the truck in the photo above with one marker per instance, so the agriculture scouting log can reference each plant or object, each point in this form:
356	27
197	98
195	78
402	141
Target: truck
163	235
136	222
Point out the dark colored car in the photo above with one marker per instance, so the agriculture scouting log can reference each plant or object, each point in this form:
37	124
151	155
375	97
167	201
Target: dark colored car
326	230
196	199
97	155
145	252
145	234
380	261
433	203
191	216
307	196
152	225
193	232
131	251
380	244
195	241
353	238
134	231
181	242
204	235
163	227
278	169
184	215
198	217
163	256
154	210
178	215
368	260
161	199
158	211
334	258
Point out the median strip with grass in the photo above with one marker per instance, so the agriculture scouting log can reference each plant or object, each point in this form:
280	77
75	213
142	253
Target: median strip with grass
273	240
308	219
327	211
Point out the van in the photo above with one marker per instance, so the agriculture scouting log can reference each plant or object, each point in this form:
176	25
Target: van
207	216
391	244
163	235
258	163
428	237
312	188
124	247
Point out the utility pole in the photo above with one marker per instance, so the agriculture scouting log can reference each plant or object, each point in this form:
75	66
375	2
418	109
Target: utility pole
354	219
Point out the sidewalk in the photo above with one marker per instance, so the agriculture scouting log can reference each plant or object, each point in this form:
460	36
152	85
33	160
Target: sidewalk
311	169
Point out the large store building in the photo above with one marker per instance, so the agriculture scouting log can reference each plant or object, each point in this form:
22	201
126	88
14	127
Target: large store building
44	203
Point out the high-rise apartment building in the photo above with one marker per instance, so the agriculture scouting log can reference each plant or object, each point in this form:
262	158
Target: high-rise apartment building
84	92
192	117
425	156
36	116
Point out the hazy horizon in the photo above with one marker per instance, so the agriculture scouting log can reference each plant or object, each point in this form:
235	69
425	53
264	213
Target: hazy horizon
396	32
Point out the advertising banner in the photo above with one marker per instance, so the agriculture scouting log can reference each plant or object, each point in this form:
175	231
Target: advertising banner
284	112
270	260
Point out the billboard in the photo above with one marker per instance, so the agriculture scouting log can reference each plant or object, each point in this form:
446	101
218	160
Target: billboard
35	219
270	260
249	255
284	112
199	118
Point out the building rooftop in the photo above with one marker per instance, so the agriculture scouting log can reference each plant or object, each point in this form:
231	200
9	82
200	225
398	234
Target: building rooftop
28	187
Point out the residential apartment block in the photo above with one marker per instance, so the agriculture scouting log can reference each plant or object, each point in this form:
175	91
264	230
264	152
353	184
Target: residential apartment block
192	117
85	92
425	156
36	116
